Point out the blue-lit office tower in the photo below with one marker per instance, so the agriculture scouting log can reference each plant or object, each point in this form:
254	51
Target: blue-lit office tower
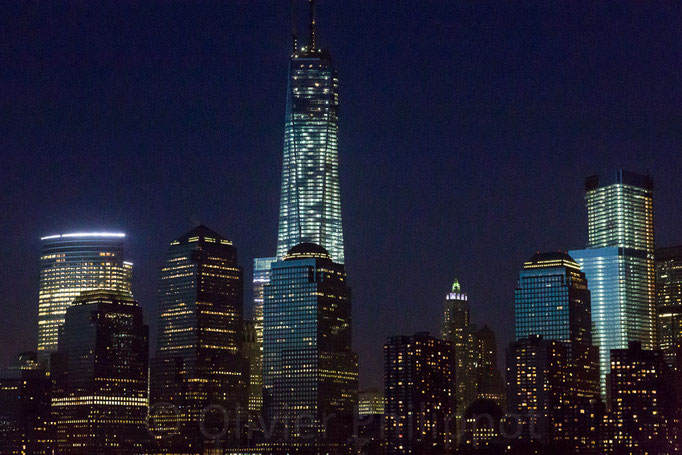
552	301
310	203
261	277
310	372
70	264
619	263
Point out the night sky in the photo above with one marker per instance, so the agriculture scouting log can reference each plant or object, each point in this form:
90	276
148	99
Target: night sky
466	132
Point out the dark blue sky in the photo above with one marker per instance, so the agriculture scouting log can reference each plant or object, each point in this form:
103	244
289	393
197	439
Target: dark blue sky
467	129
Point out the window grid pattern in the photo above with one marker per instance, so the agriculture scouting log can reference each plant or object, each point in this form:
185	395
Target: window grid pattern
310	204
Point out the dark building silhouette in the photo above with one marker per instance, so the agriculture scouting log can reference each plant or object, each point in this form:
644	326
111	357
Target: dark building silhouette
199	367
25	408
371	421
99	375
490	382
669	304
536	385
310	372
419	390
482	425
644	401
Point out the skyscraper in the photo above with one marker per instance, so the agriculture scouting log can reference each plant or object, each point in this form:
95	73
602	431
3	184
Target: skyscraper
461	334
100	399
640	399
552	300
70	264
536	385
619	262
25	408
490	382
669	304
310	204
419	390
261	277
310	371
199	360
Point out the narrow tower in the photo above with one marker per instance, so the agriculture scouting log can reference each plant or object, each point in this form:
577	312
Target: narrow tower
310	203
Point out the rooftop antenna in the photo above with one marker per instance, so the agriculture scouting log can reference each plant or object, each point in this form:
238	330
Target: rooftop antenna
313	40
294	35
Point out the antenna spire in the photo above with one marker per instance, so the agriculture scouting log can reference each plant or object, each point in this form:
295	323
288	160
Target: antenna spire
313	39
294	35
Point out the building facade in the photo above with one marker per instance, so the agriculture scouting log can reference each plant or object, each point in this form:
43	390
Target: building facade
70	264
310	370
199	360
461	334
420	395
25	408
310	204
619	262
552	300
261	277
536	386
669	304
642	400
99	374
490	383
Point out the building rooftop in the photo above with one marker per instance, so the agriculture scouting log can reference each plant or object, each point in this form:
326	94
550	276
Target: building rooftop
307	251
551	259
202	233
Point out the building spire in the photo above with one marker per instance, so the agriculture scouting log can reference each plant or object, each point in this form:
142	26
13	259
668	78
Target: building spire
313	39
294	35
455	286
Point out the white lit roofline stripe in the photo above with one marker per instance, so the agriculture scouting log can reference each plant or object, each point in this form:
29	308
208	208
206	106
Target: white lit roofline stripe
85	234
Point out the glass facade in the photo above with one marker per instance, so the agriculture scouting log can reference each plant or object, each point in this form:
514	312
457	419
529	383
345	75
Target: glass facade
310	204
261	277
552	300
199	359
669	304
310	370
70	264
99	374
619	263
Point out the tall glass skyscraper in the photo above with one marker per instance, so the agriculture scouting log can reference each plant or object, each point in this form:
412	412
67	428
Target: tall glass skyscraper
552	300
199	359
70	264
310	370
310	204
619	262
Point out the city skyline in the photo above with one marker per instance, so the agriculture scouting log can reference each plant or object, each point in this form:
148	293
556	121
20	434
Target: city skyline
376	249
